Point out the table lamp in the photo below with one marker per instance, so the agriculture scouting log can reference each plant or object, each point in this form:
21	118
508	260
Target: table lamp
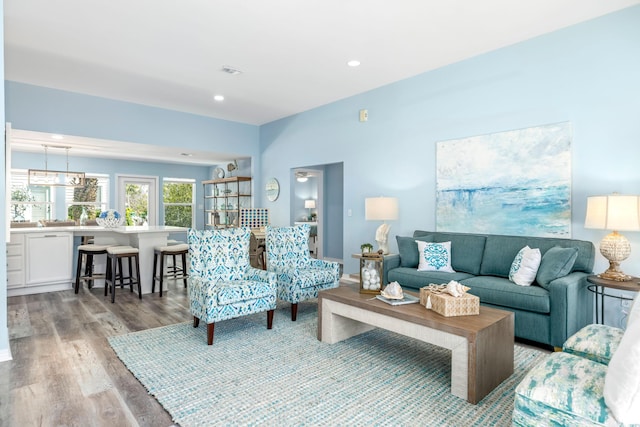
614	212
310	204
381	209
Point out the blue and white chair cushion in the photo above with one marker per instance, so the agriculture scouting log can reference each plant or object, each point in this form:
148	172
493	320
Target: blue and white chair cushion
594	342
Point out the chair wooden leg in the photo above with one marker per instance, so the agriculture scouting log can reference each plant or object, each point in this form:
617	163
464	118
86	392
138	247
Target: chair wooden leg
137	259
114	274
153	276
294	312
161	274
210	333
184	269
196	322
78	273
270	319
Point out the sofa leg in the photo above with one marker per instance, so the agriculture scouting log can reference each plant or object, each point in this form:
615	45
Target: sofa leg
557	348
196	322
270	319
210	333
294	312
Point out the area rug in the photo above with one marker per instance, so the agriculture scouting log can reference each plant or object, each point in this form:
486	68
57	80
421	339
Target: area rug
286	377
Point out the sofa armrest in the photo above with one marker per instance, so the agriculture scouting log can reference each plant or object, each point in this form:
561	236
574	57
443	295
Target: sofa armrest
571	306
390	261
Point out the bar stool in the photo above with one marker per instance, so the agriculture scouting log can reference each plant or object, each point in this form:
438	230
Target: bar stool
173	271
115	254
85	255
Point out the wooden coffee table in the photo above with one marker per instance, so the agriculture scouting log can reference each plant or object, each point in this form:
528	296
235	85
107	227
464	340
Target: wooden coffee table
481	345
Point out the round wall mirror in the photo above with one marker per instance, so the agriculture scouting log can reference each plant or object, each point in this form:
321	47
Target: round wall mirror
272	189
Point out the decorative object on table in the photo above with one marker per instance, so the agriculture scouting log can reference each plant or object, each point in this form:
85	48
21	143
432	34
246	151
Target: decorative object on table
366	248
310	204
55	178
232	167
272	189
614	212
393	291
371	273
254	217
381	209
489	189
406	299
110	219
450	299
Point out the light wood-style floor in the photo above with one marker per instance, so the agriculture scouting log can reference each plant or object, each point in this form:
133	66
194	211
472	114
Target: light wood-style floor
64	373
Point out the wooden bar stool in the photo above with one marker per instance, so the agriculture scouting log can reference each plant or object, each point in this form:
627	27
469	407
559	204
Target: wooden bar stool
85	256
115	255
173	271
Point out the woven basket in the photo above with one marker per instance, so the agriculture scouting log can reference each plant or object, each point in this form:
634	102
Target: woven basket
448	305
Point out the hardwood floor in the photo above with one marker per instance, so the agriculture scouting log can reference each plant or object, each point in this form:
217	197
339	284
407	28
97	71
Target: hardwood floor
64	373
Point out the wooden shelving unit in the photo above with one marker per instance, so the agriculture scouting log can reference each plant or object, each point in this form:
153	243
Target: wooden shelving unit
223	199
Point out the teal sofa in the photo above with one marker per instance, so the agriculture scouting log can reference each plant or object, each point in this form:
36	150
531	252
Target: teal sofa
556	306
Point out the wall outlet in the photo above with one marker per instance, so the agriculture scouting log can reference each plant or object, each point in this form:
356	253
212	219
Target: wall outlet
626	303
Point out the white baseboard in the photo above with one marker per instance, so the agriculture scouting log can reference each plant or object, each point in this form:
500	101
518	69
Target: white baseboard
5	355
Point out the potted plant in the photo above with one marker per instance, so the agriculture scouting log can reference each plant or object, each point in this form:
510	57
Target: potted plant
366	248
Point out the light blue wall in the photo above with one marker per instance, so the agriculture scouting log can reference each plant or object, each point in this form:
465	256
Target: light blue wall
21	160
587	74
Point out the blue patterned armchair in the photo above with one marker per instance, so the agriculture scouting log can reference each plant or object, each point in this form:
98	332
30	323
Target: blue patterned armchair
300	277
222	283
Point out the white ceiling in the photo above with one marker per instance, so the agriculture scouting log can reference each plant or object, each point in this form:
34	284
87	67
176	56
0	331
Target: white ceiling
293	53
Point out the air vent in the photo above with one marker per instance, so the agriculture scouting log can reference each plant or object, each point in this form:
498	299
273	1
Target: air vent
230	70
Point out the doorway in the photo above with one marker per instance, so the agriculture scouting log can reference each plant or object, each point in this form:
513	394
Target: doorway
137	197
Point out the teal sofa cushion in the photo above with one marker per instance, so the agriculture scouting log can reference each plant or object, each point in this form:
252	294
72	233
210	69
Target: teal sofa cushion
408	250
501	250
556	262
413	279
504	293
466	249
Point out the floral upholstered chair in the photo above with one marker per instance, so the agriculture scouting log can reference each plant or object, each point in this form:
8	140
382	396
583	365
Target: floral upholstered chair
300	277
222	283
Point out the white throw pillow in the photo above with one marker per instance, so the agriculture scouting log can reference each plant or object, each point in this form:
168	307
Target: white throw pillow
622	382
525	266
435	256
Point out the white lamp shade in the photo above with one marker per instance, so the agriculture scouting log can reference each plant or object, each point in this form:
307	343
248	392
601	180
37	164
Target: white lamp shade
613	212
310	204
381	208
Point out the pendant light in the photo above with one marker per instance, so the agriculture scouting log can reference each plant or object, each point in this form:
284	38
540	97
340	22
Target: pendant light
53	178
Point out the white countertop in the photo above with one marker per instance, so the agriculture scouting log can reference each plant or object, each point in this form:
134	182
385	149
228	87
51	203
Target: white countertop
83	230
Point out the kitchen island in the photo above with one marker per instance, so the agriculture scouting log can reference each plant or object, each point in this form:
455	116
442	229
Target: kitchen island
41	259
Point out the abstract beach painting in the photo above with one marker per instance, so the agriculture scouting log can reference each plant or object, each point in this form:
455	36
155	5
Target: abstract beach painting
516	182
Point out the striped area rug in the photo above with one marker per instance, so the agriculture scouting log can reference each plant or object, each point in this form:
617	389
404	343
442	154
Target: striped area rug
286	377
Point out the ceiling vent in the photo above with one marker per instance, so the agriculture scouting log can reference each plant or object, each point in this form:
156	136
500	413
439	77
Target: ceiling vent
230	70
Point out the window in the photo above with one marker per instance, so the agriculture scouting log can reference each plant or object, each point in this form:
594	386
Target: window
93	198
29	203
178	200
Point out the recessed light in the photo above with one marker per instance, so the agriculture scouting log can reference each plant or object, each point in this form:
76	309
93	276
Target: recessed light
218	98
353	63
186	154
56	136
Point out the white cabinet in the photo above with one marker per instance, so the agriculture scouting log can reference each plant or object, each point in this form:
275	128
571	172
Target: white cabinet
39	262
49	258
15	261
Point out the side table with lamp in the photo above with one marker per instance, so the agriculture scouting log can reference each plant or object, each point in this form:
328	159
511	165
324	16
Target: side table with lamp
616	212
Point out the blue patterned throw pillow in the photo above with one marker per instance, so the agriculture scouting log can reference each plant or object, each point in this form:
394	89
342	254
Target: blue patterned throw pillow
435	256
525	266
